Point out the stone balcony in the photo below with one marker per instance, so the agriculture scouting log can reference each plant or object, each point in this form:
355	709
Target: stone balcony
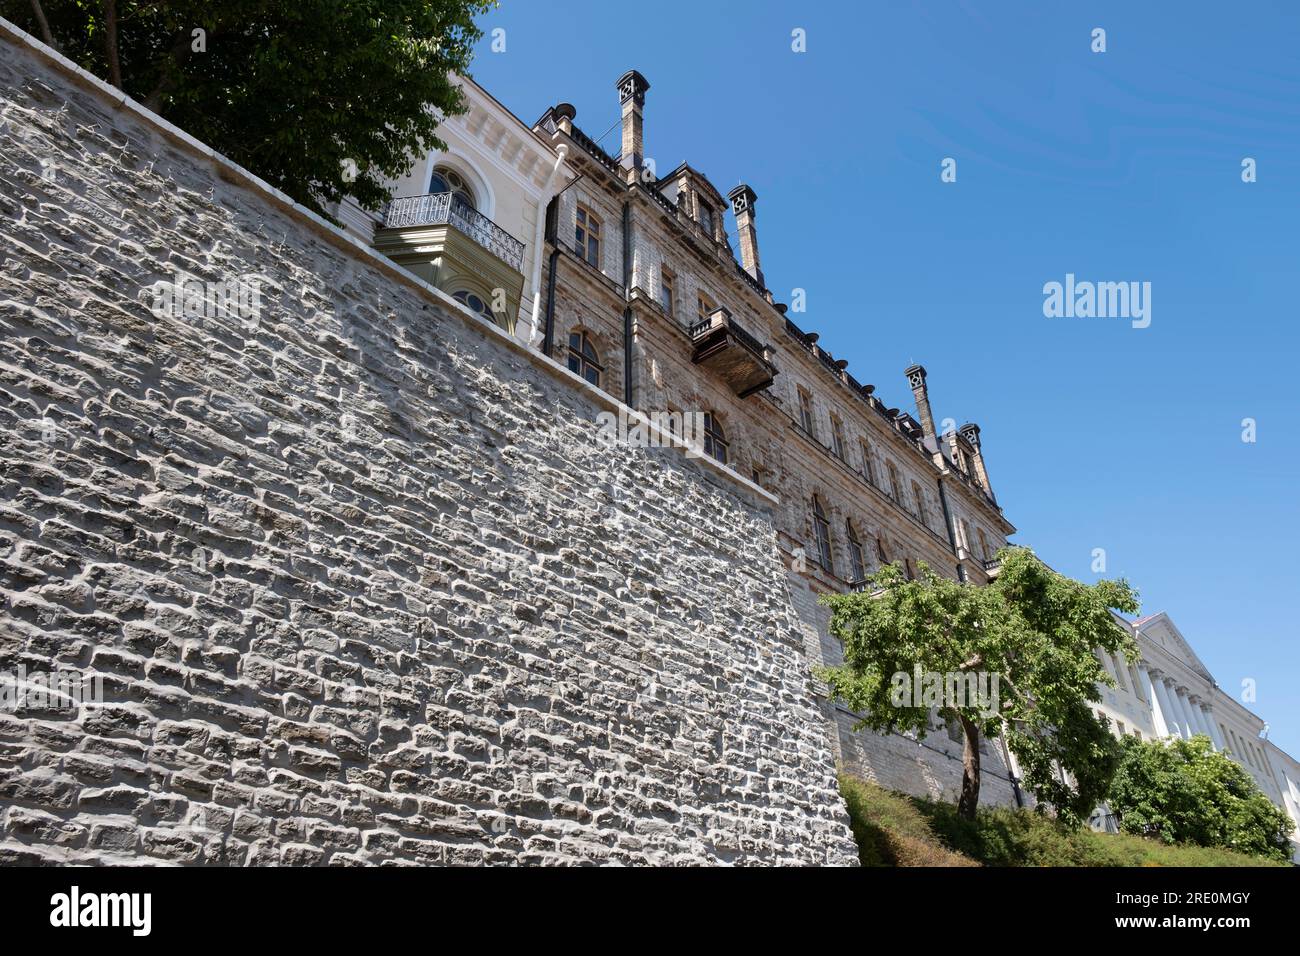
454	247
725	348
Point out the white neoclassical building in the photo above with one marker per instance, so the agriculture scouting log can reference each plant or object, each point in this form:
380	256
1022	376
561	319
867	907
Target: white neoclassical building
469	219
1169	692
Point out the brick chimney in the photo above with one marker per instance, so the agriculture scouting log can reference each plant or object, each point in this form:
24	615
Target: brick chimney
632	88
742	204
916	378
971	432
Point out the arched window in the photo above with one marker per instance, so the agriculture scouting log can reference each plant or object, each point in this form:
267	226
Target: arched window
881	556
857	563
583	358
822	531
715	439
445	180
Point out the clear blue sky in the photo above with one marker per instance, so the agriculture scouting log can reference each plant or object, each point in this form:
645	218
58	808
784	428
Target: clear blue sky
1121	166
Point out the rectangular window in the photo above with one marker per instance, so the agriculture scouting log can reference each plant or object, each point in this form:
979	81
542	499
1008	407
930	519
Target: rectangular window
666	280
822	531
805	411
868	471
706	219
704	307
837	437
857	562
984	545
586	237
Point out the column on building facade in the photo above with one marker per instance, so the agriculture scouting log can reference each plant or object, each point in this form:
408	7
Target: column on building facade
1158	720
1189	725
1198	715
1173	726
1138	689
1214	729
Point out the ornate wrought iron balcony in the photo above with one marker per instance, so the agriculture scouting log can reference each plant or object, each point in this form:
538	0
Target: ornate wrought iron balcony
438	209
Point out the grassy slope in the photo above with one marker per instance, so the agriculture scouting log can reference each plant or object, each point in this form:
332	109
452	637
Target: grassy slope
895	830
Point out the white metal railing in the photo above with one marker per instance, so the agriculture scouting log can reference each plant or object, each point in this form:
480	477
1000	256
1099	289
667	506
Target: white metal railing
440	209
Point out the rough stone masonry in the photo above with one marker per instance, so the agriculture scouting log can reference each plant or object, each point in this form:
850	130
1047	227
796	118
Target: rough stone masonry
359	583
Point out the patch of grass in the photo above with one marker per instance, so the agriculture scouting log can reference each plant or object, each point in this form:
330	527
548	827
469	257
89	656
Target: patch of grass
891	831
897	830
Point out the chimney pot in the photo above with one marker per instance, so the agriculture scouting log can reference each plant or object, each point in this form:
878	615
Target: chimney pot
916	378
632	88
742	205
564	114
971	432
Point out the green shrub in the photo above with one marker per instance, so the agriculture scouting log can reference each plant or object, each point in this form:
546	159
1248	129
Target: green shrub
896	830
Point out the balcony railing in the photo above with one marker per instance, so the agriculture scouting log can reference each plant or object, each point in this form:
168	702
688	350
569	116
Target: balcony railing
439	209
703	327
747	366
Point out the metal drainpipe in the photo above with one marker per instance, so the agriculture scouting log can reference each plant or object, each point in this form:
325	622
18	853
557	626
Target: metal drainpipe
947	516
627	309
550	301
551	225
539	243
1011	772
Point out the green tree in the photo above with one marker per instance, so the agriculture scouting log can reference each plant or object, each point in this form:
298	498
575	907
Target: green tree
320	98
1184	792
1032	629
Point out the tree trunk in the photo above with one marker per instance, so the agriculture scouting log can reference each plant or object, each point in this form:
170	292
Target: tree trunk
44	24
970	770
110	43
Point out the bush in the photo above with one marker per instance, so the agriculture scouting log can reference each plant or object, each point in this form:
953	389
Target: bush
1181	791
897	830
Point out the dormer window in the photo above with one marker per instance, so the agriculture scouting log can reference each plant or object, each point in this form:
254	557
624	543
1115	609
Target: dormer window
706	219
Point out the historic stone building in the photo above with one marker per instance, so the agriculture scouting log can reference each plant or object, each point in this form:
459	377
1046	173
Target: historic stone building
650	299
358	583
647	298
343	559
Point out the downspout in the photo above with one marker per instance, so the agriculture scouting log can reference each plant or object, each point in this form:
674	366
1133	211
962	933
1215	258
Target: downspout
548	336
549	333
1011	768
947	516
535	280
627	309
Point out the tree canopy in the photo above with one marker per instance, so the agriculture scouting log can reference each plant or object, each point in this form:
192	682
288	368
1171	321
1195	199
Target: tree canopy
1030	636
319	98
1181	791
